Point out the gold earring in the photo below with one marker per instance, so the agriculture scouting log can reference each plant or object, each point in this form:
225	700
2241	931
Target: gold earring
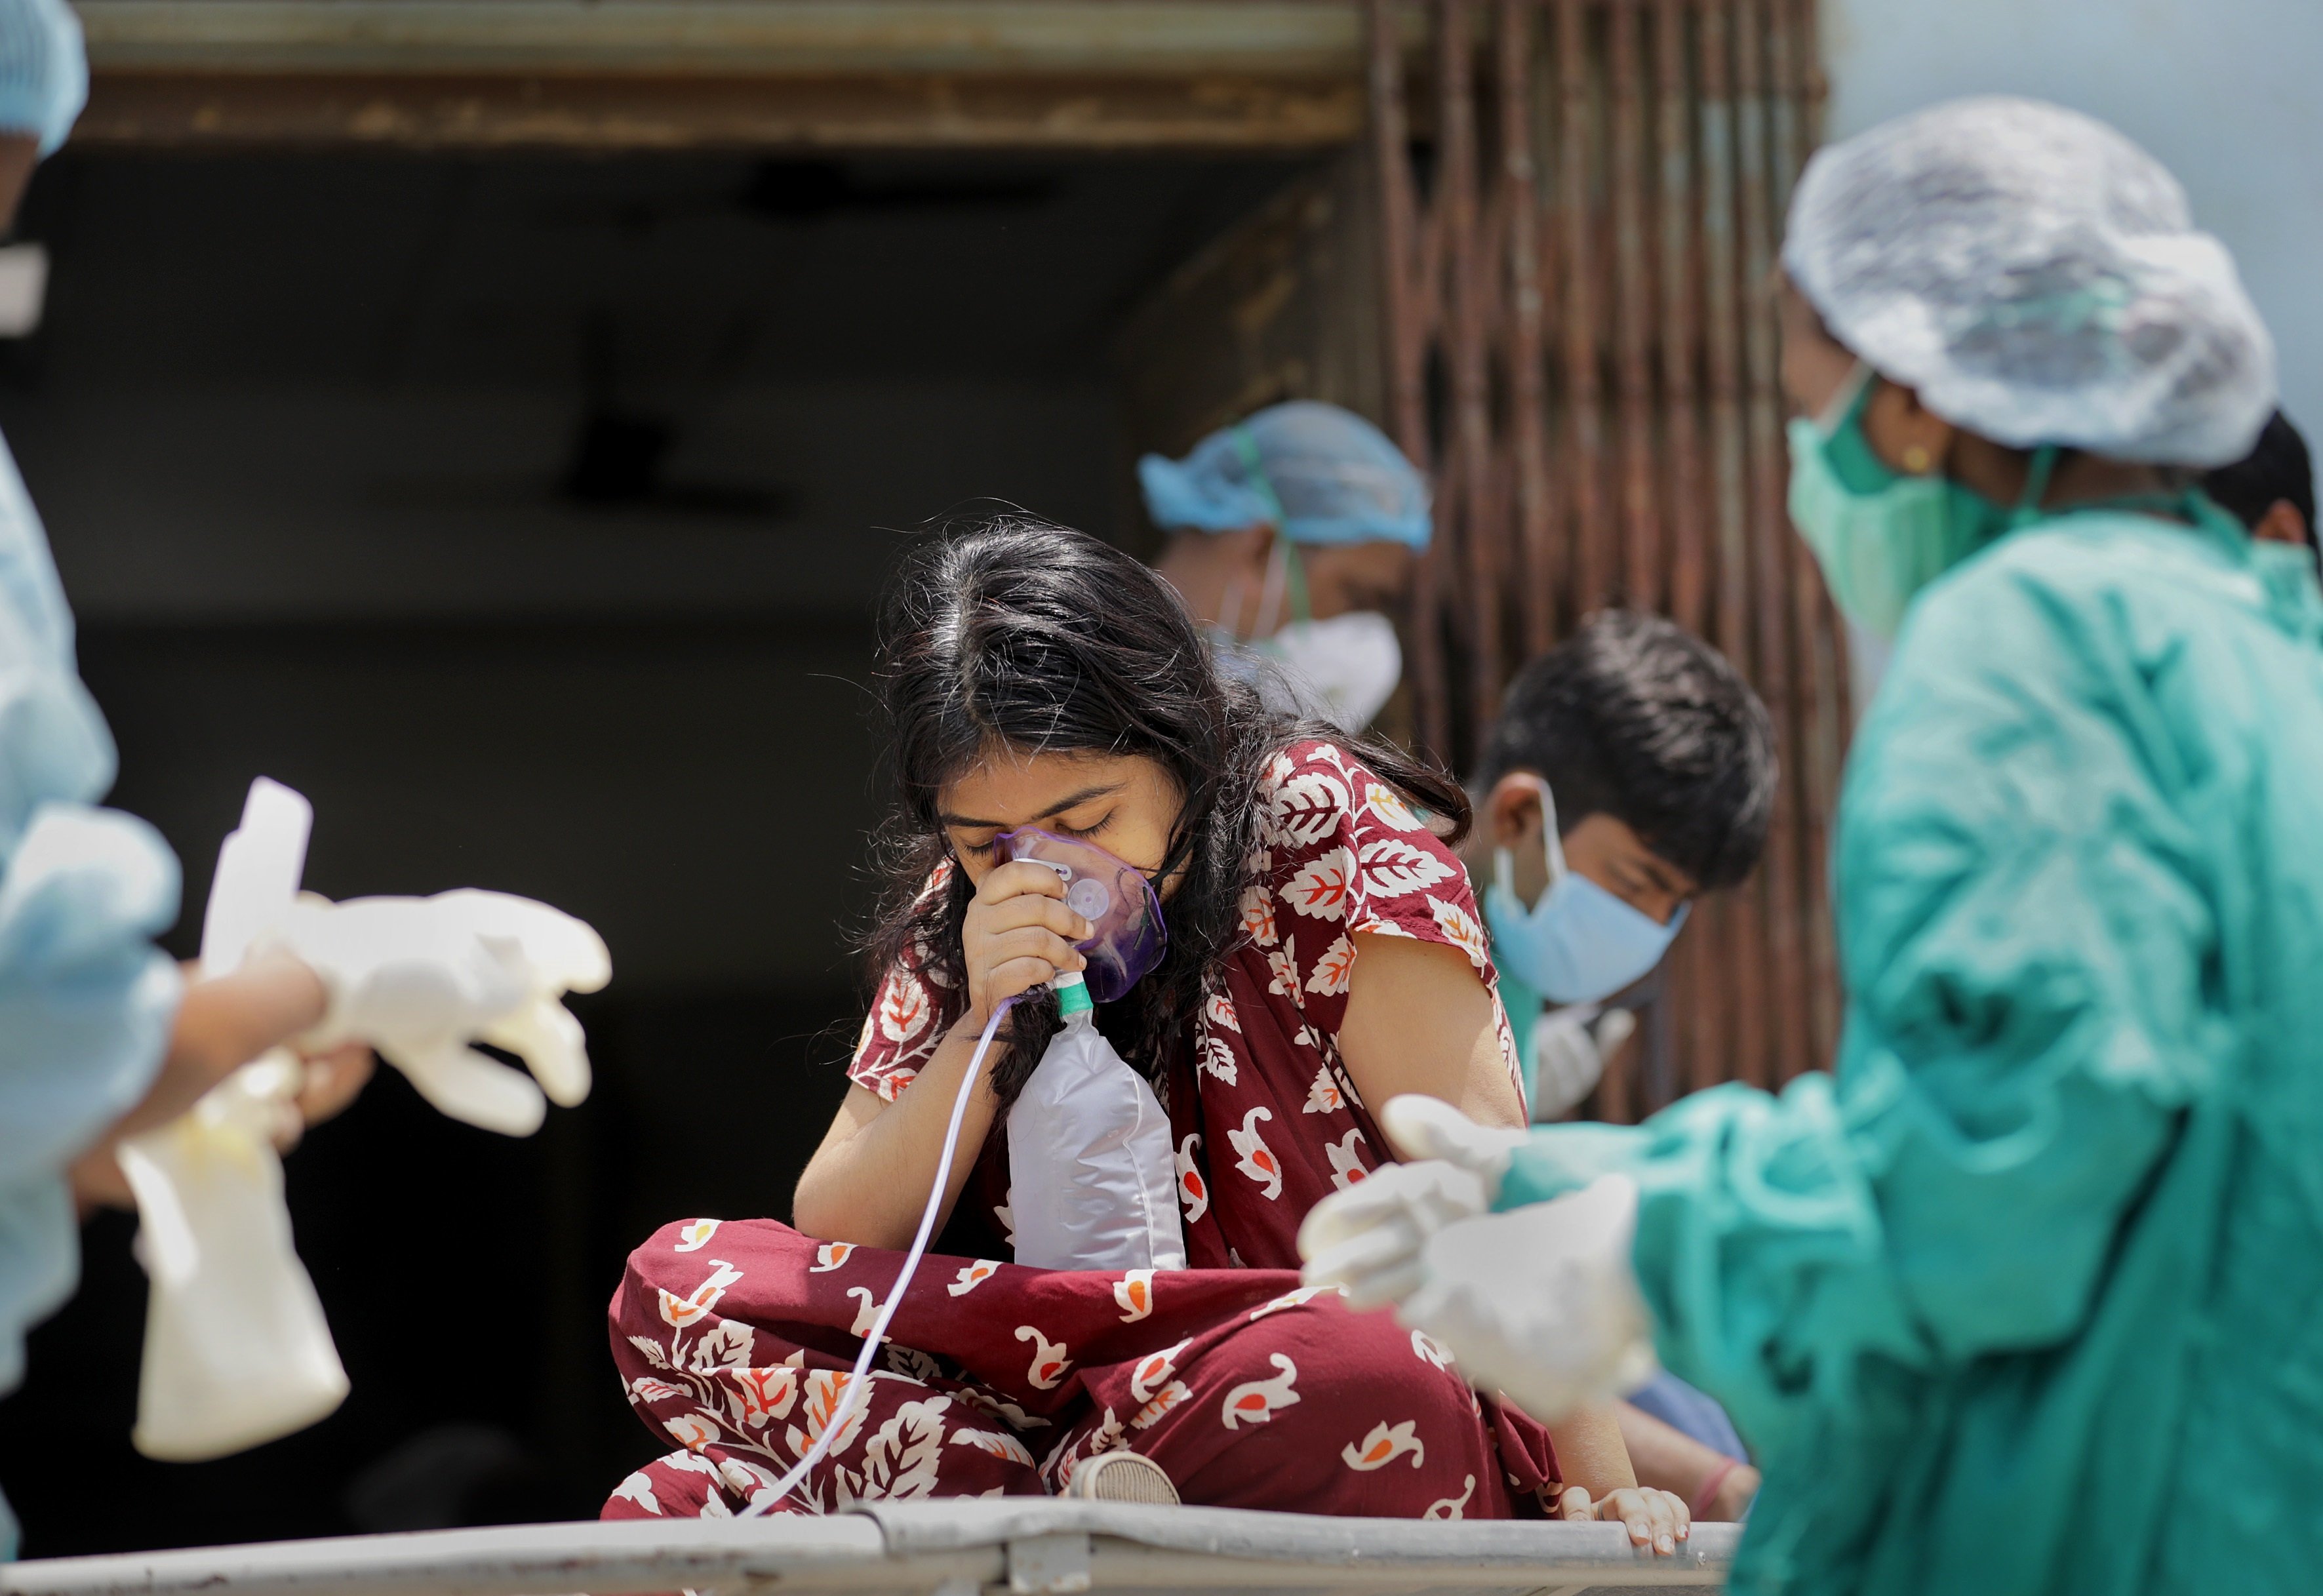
1916	460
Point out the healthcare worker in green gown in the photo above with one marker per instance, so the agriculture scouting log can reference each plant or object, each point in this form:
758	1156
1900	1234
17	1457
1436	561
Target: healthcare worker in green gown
2027	1295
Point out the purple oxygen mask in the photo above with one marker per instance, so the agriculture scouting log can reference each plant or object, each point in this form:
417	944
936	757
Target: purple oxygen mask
1116	898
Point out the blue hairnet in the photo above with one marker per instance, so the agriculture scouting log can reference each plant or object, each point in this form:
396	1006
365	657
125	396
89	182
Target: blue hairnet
43	69
1319	474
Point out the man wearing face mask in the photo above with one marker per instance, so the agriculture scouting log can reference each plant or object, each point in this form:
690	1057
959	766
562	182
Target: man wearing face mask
1631	770
1293	536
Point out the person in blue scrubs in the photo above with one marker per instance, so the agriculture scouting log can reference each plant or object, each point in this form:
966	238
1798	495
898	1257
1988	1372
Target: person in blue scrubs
101	1035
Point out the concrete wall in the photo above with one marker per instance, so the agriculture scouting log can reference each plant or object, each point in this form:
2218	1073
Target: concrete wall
2224	92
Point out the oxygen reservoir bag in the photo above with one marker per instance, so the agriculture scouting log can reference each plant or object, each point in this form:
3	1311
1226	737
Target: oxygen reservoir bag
1092	1176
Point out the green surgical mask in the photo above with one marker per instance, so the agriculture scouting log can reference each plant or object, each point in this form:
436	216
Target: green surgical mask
1880	536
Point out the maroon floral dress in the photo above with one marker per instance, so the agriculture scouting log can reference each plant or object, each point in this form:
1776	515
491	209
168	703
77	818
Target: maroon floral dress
734	1338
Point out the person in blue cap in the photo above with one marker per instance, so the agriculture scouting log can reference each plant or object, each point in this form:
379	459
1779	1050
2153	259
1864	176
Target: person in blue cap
101	1035
1292	538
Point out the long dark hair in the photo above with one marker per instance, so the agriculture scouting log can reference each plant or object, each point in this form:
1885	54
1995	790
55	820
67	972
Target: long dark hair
1013	632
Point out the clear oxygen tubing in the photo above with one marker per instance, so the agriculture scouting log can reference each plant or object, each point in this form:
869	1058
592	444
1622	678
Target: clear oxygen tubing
859	1382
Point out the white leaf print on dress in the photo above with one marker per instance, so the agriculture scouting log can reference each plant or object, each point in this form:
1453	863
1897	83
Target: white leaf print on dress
1460	928
1307	808
766	1394
1346	1160
1334	970
832	1255
905	1007
1133	1295
678	1312
1193	1191
694	1233
1320	890
1155	1370
972	1275
1254	1157
1219	1010
1392	867
724	1345
1255	1401
1383	1446
640	1489
1049	1360
1258	915
1297	1296
1324	1096
692	1431
825	1389
650	1350
1282	968
1173	1395
902	1458
999	1443
1388	807
1451	1506
1217	1058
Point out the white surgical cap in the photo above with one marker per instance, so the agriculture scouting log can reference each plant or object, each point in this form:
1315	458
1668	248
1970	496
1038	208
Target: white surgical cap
1319	474
43	70
2038	279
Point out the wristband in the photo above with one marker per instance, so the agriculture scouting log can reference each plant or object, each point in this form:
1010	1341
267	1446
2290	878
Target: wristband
1706	1493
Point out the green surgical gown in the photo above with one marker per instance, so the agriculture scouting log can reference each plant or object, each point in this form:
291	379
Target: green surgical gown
2027	1296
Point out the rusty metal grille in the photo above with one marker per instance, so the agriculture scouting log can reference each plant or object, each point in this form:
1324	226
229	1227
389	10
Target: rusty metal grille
1581	202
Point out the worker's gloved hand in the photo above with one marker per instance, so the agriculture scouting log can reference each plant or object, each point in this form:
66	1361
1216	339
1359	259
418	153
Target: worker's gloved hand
1569	1048
420	978
1366	1240
1422	1127
1540	1303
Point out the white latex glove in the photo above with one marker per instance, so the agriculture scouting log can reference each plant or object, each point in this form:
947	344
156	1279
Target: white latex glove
1569	1049
1540	1303
1367	1239
421	978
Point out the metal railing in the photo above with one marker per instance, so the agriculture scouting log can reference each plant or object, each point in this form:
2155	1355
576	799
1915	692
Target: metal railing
1024	1547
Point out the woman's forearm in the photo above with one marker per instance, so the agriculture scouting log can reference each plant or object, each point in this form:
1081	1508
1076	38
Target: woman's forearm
868	1181
1673	1461
1591	1454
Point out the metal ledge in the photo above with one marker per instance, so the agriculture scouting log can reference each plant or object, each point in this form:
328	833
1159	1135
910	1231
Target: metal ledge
1300	38
1025	1546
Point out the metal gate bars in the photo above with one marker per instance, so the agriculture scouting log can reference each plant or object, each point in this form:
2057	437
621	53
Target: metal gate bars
1580	205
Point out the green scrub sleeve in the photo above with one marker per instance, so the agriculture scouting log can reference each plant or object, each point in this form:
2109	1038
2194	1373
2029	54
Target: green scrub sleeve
2026	938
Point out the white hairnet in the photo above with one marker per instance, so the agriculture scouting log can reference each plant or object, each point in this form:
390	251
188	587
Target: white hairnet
2038	279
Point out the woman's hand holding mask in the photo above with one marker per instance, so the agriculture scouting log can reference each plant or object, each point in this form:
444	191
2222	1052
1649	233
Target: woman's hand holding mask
1019	934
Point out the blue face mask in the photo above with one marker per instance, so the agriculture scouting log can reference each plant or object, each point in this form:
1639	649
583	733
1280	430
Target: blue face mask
1579	943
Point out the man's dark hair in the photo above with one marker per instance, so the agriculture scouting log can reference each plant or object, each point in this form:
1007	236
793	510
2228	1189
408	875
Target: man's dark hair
1639	719
2277	468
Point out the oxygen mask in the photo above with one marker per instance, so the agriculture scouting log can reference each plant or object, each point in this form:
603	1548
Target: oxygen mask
1129	936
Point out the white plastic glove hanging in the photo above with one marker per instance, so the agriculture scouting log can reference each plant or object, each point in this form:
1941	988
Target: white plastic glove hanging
421	978
237	1351
1569	1049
